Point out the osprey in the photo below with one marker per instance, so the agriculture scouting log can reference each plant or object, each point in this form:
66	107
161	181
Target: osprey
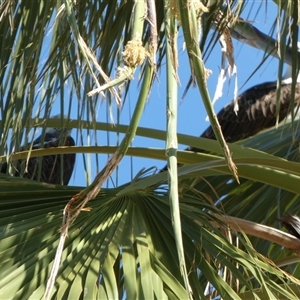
257	111
51	165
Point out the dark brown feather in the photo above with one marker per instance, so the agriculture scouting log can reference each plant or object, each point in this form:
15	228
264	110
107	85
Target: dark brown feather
257	112
50	164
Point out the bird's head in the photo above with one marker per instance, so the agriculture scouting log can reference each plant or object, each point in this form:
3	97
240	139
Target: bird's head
62	131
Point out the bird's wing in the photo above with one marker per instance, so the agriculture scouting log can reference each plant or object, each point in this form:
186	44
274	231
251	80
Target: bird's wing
51	164
257	111
50	140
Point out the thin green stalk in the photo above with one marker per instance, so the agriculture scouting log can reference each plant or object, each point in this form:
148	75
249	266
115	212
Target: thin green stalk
292	8
79	201
80	42
172	144
191	32
87	54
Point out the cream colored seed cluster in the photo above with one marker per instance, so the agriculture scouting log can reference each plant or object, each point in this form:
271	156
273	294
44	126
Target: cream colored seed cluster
134	53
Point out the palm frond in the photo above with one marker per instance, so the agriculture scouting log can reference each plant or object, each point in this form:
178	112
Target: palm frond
127	233
123	244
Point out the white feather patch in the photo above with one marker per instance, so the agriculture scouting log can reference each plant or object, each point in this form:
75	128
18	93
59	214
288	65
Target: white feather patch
235	93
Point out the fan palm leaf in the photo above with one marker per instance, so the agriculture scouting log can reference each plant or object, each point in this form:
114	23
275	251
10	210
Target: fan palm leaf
128	229
122	244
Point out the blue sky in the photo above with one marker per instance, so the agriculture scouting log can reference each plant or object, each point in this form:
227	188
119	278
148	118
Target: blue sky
191	112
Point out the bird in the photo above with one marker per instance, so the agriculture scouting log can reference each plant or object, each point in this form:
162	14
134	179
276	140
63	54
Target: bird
50	164
292	224
257	111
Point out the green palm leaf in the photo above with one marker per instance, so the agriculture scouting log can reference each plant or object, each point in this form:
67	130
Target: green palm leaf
122	245
131	233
